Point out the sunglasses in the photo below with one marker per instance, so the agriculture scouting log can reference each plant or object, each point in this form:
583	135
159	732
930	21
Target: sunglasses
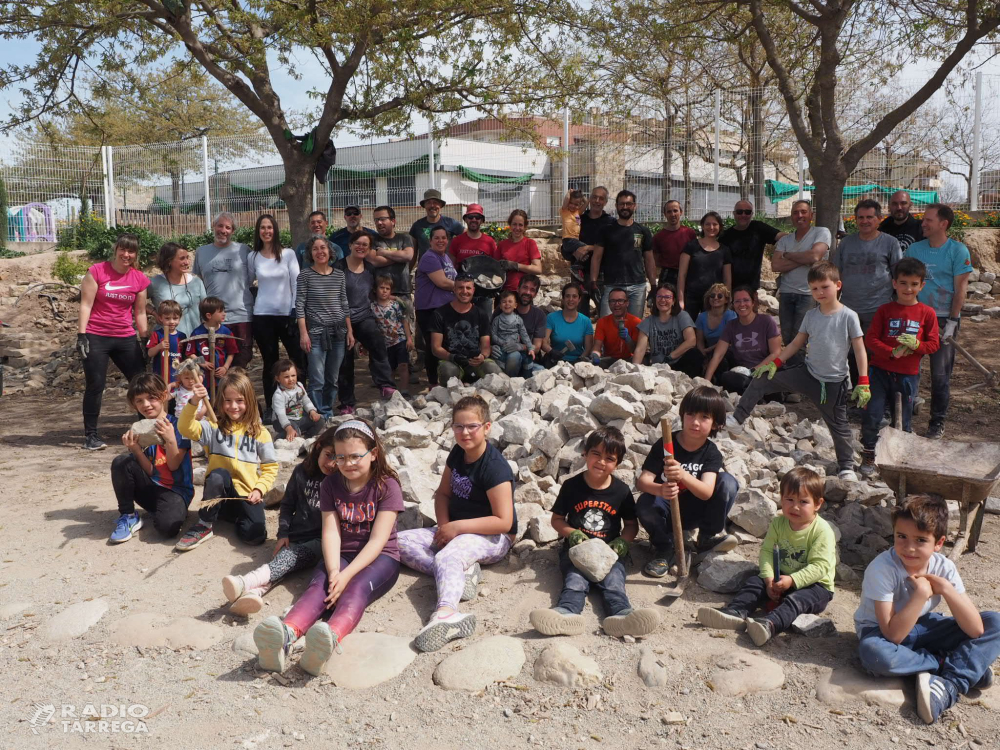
743	212
352	212
716	296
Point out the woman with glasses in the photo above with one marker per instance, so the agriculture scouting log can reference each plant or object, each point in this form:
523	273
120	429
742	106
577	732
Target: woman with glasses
744	343
703	262
668	336
713	318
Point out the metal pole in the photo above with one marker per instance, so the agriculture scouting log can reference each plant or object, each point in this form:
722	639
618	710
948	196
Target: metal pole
204	172
977	134
113	220
802	174
718	119
104	185
314	192
565	176
430	155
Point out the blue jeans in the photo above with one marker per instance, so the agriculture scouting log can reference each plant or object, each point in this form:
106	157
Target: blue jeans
792	308
324	368
753	595
519	364
937	645
708	516
575	587
636	298
942	362
884	386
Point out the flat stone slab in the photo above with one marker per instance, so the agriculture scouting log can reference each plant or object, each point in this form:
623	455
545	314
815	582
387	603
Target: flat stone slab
13	609
244	644
490	660
844	684
741	674
563	664
369	659
75	620
150	630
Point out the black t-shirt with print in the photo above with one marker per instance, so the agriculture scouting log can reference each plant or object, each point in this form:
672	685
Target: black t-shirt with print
907	233
625	248
471	482
705	460
461	331
597	513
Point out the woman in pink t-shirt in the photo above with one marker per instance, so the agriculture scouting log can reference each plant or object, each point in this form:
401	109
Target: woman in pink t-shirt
112	309
520	252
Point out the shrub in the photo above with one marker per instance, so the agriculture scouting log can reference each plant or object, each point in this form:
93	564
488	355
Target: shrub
497	230
68	270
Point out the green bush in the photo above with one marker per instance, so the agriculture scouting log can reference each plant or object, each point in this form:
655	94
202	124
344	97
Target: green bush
5	253
68	270
498	230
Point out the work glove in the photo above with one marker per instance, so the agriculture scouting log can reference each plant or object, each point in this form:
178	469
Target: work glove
901	351
461	361
768	369
949	330
576	537
82	346
908	340
620	546
595	358
510	265
623	333
862	392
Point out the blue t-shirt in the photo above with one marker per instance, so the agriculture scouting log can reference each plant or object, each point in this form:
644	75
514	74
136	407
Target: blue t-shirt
176	339
712	334
943	265
179	480
563	332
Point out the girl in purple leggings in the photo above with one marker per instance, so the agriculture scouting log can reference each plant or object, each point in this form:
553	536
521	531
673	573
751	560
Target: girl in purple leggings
476	522
359	503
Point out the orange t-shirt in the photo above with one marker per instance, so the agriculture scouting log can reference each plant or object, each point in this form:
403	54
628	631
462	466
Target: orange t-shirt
570	224
607	331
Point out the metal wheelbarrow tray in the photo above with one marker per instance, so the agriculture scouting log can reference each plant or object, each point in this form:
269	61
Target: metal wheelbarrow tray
965	472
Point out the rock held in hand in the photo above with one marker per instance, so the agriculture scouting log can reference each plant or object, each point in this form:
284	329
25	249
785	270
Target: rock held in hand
594	558
145	430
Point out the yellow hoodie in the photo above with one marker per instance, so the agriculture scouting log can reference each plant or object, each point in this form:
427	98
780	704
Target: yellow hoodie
250	461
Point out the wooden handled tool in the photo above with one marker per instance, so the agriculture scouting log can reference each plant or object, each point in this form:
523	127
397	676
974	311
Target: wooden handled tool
675	504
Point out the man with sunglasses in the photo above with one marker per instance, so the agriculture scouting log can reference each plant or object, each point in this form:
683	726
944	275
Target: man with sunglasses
669	242
746	241
352	217
474	242
623	256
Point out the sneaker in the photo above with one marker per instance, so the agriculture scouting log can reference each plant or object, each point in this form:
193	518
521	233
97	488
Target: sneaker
321	642
193	537
472	578
935	695
440	630
556	621
233	587
732	425
346	409
722	619
274	642
94	443
847	475
986	681
249	603
126	525
868	468
721	542
634	622
760	630
659	566
386	392
935	431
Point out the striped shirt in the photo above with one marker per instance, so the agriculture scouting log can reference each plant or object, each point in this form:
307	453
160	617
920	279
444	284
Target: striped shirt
322	300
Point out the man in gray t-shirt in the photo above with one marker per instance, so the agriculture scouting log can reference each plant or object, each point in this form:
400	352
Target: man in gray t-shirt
866	260
793	255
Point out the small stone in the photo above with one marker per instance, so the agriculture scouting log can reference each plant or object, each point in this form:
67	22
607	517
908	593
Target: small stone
563	664
480	664
651	670
741	674
813	626
508	713
594	558
274	495
674	717
145	430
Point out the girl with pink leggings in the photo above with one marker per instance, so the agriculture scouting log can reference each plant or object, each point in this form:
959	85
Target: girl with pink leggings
476	523
359	503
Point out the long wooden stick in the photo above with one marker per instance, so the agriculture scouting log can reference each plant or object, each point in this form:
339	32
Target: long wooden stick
675	503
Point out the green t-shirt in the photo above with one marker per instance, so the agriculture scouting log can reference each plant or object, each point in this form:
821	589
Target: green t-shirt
808	556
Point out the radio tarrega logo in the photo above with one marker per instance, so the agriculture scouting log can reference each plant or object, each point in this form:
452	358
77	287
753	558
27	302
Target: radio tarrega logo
91	718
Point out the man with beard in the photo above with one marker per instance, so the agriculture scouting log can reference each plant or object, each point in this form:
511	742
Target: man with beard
317	228
460	338
352	217
900	223
623	256
746	241
670	241
421	229
534	319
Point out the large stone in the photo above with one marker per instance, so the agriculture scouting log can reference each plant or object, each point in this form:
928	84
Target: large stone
495	383
412	435
550	441
518	428
652	671
724	573
577	421
150	630
845	684
813	626
607	407
75	620
563	664
594	558
398	406
529	492
540	529
145	430
642	381
480	664
525	512
554	402
418	486
753	512
541	381
369	659
740	674
657	407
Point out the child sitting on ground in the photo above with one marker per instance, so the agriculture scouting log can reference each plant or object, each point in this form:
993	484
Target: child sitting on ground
360	502
510	343
831	330
158	478
392	319
596	505
807	554
241	461
694	474
476	523
898	633
901	332
294	412
299	527
188	376
166	341
213	315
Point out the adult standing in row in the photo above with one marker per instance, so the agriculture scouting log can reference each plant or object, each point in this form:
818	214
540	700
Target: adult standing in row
317	228
432	204
900	223
177	283
521	253
669	242
593	222
112	311
276	272
398	249
746	240
623	256
435	287
704	262
352	223
473	242
224	267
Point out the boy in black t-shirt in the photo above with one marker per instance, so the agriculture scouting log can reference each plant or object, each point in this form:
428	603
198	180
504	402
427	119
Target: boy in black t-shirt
695	475
593	505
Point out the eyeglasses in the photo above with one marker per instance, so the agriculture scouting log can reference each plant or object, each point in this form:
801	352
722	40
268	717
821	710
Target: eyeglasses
472	427
618	301
353	458
717	296
352	212
664	297
743	212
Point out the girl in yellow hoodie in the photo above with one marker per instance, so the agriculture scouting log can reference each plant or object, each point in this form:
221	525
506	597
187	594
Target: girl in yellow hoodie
241	460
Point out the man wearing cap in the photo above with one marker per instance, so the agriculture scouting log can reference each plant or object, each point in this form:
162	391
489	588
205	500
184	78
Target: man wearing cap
421	229
317	228
352	217
473	242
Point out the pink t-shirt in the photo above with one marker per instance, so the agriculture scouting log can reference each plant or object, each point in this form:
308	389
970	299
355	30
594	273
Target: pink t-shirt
111	314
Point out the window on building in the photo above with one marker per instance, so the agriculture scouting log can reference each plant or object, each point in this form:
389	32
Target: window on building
353	191
553	141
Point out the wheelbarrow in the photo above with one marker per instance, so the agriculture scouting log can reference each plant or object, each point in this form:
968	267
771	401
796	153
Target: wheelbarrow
488	274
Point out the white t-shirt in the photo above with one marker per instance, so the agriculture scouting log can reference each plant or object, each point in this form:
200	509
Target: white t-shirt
181	397
886	581
276	283
796	281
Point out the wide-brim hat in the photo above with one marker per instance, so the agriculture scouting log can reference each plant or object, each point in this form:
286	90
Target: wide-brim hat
474	209
433	194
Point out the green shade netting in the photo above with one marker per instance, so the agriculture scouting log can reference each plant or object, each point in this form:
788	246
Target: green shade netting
416	166
161	206
778	191
474	176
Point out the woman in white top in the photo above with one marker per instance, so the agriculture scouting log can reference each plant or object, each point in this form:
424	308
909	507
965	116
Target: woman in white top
276	271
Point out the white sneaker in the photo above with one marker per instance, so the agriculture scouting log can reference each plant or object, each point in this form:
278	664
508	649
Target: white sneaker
847	475
440	630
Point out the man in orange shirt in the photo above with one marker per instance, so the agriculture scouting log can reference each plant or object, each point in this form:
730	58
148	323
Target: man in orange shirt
615	334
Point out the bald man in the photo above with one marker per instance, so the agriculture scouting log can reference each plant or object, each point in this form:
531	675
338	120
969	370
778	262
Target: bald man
900	223
746	241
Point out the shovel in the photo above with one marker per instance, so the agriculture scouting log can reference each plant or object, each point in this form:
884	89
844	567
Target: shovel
683	578
990	376
211	337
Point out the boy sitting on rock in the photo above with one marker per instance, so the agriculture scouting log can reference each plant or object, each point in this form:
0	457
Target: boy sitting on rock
807	553
596	505
898	633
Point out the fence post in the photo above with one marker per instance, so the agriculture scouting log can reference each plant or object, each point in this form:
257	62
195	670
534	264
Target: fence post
977	135
314	192
204	172
565	176
113	220
430	154
718	119
104	185
802	174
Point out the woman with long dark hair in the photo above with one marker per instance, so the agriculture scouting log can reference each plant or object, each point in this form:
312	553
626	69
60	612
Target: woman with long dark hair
177	283
704	261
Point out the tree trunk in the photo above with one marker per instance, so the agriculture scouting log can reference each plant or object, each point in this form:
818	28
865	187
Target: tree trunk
829	181
297	193
756	147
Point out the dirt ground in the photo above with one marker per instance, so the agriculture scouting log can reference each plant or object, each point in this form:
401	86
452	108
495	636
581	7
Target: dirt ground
196	691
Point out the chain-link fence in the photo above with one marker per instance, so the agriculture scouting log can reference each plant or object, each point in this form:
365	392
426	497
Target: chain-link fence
706	150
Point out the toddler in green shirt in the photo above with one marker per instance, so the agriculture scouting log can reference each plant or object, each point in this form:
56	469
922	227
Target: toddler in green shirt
807	553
